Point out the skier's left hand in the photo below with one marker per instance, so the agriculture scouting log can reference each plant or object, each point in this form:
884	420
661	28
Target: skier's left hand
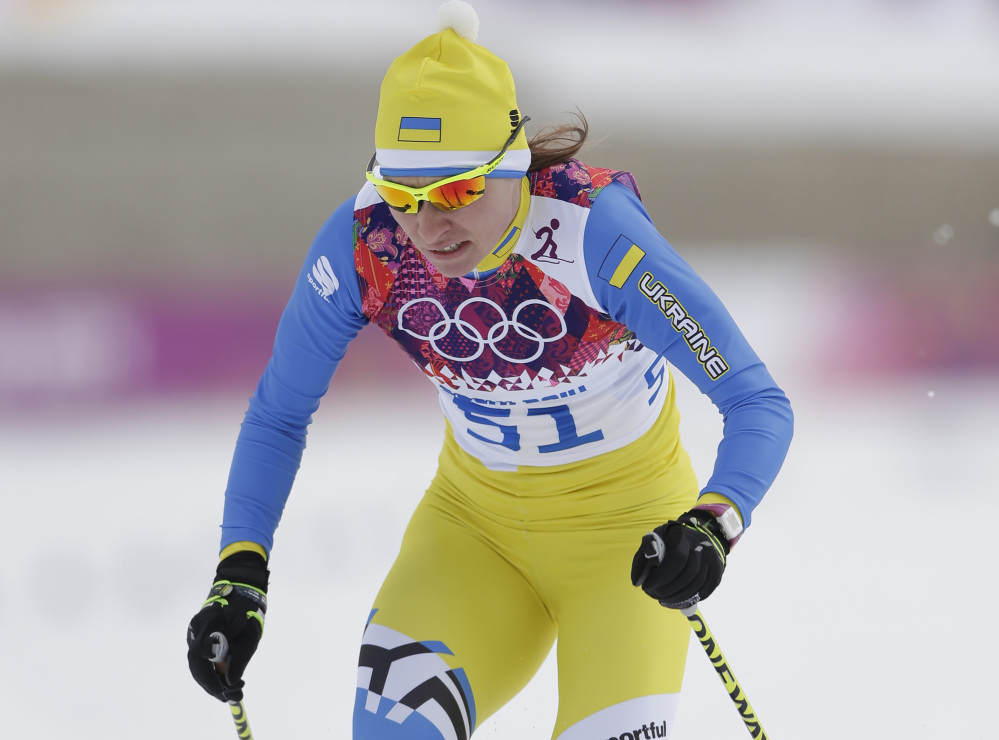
681	562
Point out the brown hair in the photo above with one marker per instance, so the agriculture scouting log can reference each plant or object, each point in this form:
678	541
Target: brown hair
557	144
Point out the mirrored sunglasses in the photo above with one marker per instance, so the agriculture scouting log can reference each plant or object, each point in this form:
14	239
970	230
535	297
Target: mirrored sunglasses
448	194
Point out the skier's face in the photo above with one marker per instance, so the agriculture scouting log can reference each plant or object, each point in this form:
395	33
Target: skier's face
456	241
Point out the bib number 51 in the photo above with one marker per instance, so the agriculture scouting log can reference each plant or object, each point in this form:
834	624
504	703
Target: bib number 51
566	434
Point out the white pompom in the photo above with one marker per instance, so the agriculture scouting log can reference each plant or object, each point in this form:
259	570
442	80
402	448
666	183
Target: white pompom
460	16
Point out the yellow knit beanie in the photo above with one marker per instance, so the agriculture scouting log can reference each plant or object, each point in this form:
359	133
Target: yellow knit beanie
448	105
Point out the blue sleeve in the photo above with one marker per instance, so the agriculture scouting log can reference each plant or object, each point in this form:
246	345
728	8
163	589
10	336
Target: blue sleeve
640	281
321	318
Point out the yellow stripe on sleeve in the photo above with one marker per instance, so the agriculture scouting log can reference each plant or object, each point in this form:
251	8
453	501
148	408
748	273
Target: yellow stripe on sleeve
242	547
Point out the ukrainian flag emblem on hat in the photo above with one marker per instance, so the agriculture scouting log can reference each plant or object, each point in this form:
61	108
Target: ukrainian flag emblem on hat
418	129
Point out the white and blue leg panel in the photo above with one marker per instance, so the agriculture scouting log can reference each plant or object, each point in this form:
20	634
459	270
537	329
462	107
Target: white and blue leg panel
407	691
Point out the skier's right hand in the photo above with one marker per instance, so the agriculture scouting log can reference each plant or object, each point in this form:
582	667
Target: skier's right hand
235	610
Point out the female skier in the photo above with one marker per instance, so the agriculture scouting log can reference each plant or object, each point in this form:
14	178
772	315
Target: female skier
535	293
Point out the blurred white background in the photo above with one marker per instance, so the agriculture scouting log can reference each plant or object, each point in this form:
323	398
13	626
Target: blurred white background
832	170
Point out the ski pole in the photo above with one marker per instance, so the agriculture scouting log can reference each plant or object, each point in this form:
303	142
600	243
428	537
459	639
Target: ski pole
239	719
735	692
220	649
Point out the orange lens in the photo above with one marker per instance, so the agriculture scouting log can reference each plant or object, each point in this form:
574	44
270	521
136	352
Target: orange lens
458	194
397	199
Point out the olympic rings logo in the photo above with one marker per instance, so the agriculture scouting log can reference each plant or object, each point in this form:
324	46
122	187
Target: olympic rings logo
441	329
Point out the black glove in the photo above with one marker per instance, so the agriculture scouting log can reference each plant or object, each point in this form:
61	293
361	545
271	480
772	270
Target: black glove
223	636
682	561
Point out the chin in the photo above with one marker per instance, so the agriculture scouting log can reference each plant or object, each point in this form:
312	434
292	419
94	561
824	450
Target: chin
454	264
450	271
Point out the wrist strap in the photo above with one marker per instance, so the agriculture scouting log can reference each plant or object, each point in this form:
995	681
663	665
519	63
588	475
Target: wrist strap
728	520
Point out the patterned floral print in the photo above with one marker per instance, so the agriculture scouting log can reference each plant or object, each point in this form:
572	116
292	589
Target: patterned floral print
578	183
519	328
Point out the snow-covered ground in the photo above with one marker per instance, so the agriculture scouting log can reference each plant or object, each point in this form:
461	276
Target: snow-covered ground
858	604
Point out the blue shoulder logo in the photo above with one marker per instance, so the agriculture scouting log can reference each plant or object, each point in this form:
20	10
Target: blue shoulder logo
323	279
